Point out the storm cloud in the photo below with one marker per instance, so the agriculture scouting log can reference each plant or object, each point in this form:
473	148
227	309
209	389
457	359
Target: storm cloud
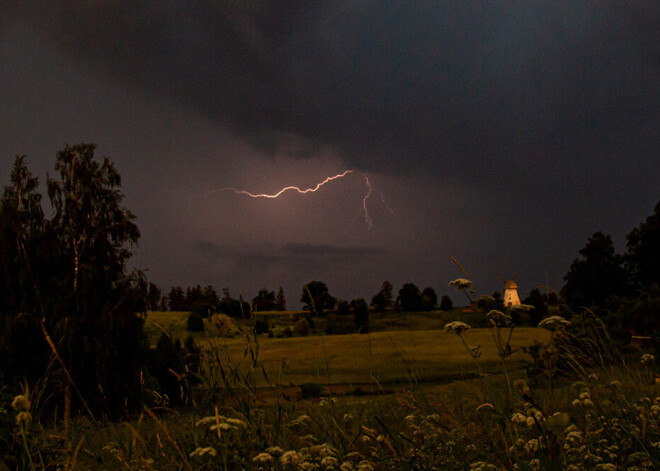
396	86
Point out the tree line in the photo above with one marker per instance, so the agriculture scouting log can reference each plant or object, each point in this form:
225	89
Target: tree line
315	297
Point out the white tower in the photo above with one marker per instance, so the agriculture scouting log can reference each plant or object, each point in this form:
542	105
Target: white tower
511	293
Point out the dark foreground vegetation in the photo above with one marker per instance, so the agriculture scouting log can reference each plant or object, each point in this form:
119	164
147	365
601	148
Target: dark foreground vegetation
82	386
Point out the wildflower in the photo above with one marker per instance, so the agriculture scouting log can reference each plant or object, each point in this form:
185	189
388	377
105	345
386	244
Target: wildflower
498	318
460	283
21	403
209	450
530	421
554	323
647	358
365	465
263	458
616	384
274	450
233	421
518	418
346	466
606	466
290	457
205	420
23	419
329	462
532	446
457	327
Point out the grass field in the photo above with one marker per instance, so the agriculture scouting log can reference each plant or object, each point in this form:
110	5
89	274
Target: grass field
432	412
396	356
402	355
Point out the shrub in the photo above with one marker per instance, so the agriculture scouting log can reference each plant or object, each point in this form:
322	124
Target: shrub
446	303
261	326
195	323
342	307
302	328
309	390
361	314
223	325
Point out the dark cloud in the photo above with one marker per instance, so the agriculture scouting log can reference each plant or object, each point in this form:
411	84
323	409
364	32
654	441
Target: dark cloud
395	85
293	254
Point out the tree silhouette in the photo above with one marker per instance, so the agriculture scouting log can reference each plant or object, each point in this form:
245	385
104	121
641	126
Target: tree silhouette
596	277
409	297
280	302
75	285
643	251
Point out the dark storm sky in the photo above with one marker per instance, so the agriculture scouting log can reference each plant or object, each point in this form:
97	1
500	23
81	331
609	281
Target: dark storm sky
502	133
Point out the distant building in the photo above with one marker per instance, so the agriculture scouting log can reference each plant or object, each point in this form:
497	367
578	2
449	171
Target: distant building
511	297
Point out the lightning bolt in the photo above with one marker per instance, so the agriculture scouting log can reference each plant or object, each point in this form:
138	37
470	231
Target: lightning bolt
288	188
365	210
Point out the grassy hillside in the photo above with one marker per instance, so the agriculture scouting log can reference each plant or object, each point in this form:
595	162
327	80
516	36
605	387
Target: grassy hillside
402	356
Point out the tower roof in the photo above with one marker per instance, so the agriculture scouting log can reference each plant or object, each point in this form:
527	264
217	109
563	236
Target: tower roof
511	284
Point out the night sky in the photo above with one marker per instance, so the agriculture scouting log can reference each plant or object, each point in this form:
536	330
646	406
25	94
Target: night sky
500	133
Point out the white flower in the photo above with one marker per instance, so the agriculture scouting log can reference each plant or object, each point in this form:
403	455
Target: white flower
647	358
23	419
518	418
290	457
460	283
209	450
329	462
263	458
498	318
365	465
346	466
21	403
530	421
457	327
532	446
274	450
553	323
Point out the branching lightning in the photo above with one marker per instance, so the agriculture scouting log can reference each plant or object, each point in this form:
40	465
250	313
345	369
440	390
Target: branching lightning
364	211
295	188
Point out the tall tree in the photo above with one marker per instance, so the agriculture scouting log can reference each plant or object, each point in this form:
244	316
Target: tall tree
429	299
386	293
320	297
264	300
76	288
596	277
153	297
177	299
410	298
643	251
102	336
280	301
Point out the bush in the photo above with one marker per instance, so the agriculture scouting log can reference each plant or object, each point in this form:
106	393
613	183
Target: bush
223	325
195	323
309	390
446	303
261	326
361	315
302	328
343	307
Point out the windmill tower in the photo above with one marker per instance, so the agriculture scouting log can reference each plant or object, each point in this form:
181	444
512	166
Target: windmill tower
511	297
